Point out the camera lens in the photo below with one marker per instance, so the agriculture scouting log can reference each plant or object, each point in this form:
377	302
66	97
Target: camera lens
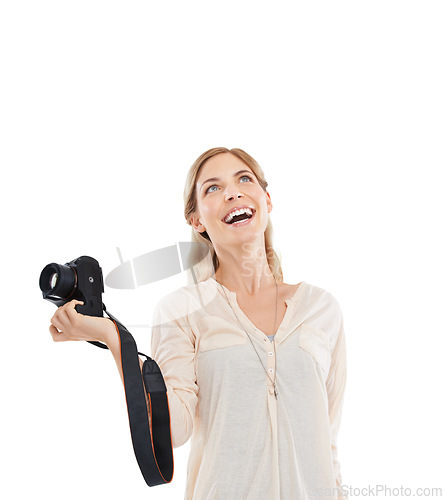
53	280
58	280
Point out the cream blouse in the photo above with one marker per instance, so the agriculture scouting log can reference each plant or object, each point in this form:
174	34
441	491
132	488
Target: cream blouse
246	444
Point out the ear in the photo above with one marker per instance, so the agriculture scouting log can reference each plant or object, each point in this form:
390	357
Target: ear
268	202
196	224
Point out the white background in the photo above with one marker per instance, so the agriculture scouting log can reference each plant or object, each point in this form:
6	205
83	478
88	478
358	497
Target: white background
105	106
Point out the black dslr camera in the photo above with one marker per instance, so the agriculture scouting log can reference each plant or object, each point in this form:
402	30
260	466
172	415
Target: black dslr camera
80	279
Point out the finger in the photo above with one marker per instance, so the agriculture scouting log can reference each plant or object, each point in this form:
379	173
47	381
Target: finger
62	318
74	302
72	315
70	306
66	322
56	335
55	320
70	309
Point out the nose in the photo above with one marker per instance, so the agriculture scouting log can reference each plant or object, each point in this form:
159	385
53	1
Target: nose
232	196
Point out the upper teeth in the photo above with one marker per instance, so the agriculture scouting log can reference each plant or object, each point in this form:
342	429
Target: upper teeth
237	212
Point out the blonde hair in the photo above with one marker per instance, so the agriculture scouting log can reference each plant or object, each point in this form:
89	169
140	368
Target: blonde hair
209	263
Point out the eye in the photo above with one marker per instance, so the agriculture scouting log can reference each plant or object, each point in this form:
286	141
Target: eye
247	177
214	185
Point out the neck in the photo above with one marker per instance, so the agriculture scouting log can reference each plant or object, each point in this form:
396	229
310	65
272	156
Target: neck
244	271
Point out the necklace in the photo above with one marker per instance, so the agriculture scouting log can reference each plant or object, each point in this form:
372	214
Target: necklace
275	321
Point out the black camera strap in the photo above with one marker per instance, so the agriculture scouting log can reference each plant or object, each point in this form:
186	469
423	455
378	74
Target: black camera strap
151	442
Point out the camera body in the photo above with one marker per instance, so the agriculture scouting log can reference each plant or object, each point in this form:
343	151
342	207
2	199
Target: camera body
80	279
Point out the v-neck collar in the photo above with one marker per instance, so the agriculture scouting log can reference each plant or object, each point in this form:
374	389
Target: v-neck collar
289	303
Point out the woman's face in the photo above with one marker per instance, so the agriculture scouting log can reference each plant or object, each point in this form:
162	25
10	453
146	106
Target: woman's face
225	182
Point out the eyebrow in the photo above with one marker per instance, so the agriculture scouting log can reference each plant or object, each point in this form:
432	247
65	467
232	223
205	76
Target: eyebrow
212	179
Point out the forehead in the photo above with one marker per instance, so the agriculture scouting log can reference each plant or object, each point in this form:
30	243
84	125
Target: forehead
218	165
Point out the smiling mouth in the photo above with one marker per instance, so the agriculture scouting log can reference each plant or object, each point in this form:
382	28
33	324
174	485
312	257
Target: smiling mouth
239	220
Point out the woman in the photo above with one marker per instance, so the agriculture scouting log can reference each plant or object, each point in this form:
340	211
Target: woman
255	368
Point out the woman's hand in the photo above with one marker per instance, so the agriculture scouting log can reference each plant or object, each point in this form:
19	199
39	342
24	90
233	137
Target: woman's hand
68	324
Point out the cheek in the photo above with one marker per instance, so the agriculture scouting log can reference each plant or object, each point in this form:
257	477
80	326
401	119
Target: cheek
209	211
264	205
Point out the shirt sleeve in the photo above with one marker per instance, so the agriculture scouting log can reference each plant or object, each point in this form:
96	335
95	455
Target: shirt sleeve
173	349
335	386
